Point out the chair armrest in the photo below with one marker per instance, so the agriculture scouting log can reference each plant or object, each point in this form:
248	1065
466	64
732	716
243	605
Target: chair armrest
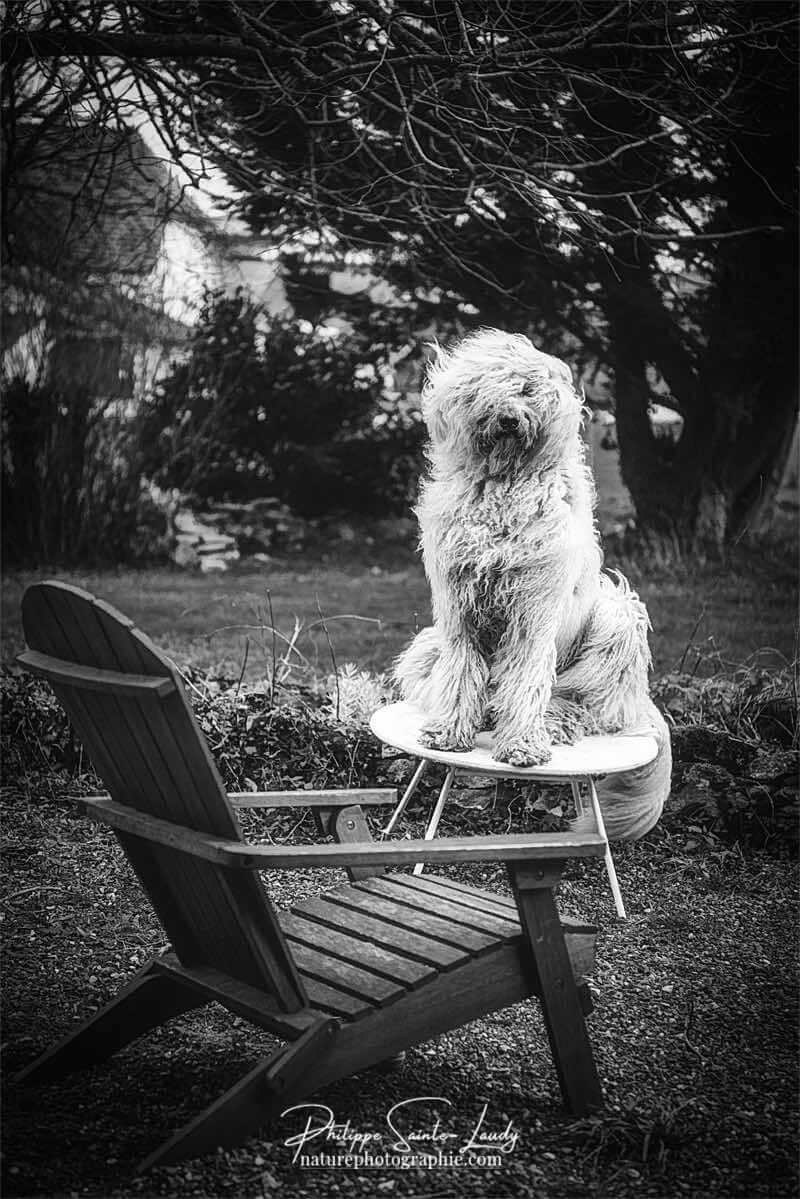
507	847
312	799
162	832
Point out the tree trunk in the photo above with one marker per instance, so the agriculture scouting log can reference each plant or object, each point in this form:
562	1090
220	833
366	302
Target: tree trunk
739	401
763	508
730	358
668	481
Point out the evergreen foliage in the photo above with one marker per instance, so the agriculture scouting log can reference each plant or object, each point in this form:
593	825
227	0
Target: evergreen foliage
273	406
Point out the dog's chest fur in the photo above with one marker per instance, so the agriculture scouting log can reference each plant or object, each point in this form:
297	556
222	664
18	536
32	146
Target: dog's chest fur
492	542
507	523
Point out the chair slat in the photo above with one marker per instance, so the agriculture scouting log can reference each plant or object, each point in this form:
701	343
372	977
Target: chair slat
120	783
404	917
194	788
387	963
155	869
346	976
63	621
390	935
184	753
183	891
188	895
210	901
392	887
485	900
503	902
325	998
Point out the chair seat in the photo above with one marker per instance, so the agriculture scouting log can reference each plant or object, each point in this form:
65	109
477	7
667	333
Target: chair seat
367	944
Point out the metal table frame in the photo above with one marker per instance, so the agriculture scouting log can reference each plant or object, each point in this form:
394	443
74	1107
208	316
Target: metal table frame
580	804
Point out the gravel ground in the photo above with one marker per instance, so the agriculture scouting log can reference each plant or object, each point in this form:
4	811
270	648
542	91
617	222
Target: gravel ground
694	1033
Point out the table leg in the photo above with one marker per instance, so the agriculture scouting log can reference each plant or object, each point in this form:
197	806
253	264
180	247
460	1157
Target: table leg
404	802
580	806
610	869
430	831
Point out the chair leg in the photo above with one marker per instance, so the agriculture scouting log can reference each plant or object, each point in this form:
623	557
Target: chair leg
349	824
430	831
560	999
150	999
249	1103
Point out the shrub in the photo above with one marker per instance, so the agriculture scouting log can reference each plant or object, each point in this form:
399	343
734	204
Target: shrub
735	755
272	406
36	734
730	780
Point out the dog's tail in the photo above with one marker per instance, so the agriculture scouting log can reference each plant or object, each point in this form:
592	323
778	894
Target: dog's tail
414	667
631	803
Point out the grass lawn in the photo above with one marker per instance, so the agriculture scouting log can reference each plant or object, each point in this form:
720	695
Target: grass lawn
205	619
719	617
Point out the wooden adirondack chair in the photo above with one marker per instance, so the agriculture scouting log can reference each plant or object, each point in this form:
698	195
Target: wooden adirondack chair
346	979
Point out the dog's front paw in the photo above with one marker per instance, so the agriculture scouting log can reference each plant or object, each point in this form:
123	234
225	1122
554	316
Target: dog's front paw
532	749
446	738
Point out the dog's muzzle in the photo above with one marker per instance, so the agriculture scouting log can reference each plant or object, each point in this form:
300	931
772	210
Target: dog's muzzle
518	427
509	424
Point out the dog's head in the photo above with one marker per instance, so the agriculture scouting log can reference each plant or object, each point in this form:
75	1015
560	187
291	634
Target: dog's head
495	402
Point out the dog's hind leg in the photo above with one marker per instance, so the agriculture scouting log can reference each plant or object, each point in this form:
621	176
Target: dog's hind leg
608	677
567	721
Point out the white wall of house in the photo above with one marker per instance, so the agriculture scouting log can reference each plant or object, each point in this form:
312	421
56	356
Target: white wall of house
188	263
184	267
26	356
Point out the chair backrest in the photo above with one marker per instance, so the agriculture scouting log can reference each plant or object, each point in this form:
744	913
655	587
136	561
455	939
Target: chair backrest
127	702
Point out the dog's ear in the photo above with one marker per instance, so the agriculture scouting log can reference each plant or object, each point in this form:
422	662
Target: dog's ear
437	361
438	426
435	418
586	412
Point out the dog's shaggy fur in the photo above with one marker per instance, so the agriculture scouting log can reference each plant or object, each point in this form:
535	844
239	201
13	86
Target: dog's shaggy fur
530	637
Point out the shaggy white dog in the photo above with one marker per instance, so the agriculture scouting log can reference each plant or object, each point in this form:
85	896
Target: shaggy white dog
530	636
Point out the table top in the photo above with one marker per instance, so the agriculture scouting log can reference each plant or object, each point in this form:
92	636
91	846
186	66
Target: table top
399	725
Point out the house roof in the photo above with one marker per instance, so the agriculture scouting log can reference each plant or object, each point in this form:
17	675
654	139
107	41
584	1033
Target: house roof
85	201
87	211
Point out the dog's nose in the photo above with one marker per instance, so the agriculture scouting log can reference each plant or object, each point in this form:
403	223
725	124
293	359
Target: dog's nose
508	424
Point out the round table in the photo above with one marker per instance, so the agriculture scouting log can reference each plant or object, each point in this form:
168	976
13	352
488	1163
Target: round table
399	725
